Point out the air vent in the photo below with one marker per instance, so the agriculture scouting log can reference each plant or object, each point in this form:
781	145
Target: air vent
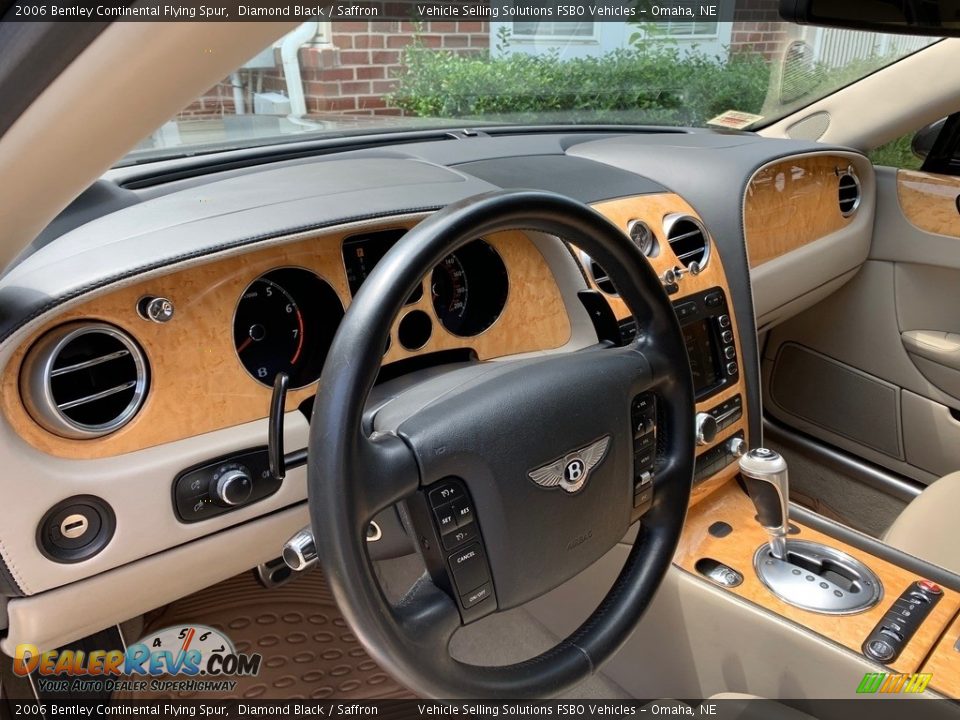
84	380
688	240
848	193
601	278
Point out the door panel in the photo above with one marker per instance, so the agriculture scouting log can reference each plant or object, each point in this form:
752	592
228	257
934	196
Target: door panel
894	328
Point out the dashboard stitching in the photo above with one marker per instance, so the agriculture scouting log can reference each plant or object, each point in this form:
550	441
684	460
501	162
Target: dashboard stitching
8	568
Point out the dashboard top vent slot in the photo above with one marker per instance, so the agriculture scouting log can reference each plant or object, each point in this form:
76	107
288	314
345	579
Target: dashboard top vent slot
849	193
688	240
84	380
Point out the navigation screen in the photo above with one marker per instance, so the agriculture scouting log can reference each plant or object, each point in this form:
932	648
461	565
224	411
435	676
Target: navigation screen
703	362
361	254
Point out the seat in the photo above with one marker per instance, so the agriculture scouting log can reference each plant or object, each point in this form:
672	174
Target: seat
928	527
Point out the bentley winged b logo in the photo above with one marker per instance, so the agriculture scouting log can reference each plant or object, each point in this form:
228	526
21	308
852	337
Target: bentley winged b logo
572	470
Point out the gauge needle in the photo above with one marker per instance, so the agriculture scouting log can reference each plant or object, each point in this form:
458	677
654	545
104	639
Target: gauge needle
245	344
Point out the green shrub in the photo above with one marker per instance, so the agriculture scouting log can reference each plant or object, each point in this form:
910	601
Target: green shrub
652	83
897	153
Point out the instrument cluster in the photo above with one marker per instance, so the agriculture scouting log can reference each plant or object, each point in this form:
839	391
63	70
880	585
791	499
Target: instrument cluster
286	319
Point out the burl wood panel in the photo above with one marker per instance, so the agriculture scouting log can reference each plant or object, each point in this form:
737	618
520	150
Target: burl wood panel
792	203
944	663
652	209
197	382
929	201
737	549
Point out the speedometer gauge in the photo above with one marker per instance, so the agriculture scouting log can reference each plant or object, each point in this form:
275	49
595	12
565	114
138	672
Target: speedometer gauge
284	322
469	289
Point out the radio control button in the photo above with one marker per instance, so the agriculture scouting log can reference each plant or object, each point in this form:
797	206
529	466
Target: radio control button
732	368
723	321
713	300
727	337
730	352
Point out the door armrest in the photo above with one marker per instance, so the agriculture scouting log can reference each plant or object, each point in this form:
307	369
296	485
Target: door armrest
937	346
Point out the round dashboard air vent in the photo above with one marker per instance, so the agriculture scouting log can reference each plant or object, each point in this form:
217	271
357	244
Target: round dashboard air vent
688	240
848	193
84	380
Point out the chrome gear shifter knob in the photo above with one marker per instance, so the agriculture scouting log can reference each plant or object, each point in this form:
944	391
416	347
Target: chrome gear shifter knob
765	473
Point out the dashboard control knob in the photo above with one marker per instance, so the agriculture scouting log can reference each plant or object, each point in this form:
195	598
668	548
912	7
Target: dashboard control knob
233	487
706	428
737	446
156	309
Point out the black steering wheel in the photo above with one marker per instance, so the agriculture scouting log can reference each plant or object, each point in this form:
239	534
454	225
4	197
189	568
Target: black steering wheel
513	475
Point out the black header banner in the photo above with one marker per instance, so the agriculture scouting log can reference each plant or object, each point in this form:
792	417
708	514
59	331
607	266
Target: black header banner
638	11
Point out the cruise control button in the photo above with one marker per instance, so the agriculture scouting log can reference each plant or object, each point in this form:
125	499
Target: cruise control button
446	517
469	568
476	596
444	493
457	537
464	513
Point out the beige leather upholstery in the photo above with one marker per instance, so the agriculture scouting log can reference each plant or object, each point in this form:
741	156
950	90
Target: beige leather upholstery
928	528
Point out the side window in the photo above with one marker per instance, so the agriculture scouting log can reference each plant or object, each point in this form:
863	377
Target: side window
897	153
934	148
940	144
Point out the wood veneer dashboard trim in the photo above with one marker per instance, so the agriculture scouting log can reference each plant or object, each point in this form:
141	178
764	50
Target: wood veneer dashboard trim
930	202
197	382
791	203
653	209
729	504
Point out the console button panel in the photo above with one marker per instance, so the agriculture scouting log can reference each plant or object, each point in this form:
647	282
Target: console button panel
715	459
195	491
643	416
901	622
463	556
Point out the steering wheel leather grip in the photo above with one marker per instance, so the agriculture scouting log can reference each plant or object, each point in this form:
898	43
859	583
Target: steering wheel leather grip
492	426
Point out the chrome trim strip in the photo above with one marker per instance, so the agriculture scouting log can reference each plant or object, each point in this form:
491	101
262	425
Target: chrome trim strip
89	363
876	477
97	396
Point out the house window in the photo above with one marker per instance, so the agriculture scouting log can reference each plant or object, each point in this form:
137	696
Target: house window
682	29
580	30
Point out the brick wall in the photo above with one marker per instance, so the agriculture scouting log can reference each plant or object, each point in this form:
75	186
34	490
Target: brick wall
353	76
757	28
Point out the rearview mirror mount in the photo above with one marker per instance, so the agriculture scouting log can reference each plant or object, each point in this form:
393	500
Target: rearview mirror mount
904	17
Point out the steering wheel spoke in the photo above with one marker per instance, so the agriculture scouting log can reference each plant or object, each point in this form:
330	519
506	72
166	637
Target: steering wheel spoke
428	614
389	474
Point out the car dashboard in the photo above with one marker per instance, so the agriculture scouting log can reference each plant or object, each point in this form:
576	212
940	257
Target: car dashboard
139	348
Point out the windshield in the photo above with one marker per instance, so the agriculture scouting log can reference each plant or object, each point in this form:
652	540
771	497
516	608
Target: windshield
348	78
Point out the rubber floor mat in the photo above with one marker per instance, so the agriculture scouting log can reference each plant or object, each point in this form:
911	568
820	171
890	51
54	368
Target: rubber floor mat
308	650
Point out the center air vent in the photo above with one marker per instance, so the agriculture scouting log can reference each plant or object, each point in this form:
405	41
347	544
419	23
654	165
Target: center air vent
84	380
848	193
688	240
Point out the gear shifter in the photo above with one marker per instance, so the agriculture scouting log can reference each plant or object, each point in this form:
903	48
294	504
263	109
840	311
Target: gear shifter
765	473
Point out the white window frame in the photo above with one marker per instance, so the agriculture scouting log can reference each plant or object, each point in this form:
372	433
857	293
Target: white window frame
593	37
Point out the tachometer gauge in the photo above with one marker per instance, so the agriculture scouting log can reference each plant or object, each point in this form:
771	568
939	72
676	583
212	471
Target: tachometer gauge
469	289
284	322
450	291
